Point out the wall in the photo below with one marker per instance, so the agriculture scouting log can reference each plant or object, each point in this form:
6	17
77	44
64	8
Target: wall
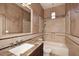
72	31
55	29
38	14
37	8
56	25
59	10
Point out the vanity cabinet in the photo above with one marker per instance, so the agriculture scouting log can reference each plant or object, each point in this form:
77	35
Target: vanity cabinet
38	51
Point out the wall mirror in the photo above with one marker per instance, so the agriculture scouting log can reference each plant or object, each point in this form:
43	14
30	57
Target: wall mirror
15	18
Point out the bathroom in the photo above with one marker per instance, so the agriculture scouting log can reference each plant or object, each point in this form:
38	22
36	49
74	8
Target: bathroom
39	29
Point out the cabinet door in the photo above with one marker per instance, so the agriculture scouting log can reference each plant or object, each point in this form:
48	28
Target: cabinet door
38	51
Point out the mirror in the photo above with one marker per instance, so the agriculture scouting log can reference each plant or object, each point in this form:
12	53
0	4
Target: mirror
15	18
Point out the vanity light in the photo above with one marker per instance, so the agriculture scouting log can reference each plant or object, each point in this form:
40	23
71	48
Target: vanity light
53	15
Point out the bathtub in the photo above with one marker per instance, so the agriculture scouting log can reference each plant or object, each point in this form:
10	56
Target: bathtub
55	49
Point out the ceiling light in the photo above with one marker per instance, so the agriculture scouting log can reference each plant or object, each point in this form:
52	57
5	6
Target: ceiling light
53	15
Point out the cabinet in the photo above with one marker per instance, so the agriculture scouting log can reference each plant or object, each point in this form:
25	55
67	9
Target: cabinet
38	51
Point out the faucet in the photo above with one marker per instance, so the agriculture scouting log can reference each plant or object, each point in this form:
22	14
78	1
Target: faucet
11	44
17	42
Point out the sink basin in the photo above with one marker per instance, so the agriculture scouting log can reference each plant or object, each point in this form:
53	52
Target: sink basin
21	49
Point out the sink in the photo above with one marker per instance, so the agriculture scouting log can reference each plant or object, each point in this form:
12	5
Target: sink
21	49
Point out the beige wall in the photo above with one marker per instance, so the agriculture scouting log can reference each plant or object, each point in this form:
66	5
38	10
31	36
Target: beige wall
38	14
72	29
57	25
59	10
37	8
55	29
72	16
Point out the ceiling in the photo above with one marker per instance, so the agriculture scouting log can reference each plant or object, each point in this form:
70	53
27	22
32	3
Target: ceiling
49	5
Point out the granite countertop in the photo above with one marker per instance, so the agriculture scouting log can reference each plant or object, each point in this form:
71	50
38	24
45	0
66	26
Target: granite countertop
36	42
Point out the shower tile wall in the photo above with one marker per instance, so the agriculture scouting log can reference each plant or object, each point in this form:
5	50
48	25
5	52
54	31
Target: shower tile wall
55	29
37	16
72	29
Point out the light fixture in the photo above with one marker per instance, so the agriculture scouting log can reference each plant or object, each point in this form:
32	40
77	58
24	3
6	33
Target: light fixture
7	31
53	15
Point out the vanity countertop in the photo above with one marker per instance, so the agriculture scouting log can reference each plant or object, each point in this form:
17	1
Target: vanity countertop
35	42
13	35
